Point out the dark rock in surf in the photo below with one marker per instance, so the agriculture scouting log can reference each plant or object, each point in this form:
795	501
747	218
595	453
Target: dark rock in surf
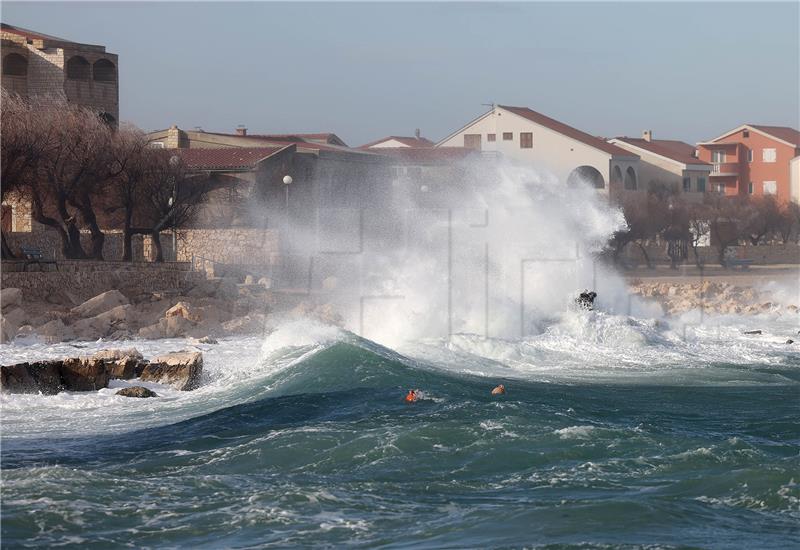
181	370
42	376
84	374
136	391
751	332
790	341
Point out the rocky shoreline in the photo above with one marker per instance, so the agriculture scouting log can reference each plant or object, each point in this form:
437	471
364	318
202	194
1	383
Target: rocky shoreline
714	297
180	370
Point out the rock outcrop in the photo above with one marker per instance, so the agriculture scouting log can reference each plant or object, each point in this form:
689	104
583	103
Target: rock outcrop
182	370
136	391
100	304
712	296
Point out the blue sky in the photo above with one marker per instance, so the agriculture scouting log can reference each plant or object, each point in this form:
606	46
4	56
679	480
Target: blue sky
364	70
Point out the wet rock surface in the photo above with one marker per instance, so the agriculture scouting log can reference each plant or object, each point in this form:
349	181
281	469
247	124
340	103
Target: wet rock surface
182	371
136	391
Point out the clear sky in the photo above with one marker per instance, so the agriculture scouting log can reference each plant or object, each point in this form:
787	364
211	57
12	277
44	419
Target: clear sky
365	70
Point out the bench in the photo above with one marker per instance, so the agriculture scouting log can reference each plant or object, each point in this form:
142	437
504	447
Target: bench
34	256
734	263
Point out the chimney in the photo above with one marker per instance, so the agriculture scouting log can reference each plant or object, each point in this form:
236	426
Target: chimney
416	133
647	135
241	130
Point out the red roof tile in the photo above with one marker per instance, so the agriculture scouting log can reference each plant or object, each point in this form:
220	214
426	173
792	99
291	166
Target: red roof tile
412	141
781	132
33	35
569	131
671	149
229	158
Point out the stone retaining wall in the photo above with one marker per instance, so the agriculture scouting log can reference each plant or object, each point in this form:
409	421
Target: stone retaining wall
80	280
763	254
49	242
228	246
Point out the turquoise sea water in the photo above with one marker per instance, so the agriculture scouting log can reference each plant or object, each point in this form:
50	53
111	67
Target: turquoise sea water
313	446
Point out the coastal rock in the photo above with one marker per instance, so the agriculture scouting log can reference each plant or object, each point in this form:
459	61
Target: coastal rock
100	304
177	326
10	297
116	354
181	370
84	374
105	323
154	331
55	331
136	391
758	331
42	376
245	325
7	331
16	316
207	340
185	310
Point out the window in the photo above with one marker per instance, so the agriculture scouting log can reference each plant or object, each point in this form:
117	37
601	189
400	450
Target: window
750	188
749	155
508	136
15	65
687	184
746	133
472	141
157	144
721	188
701	185
78	68
491	137
768	155
717	157
770	188
526	140
104	71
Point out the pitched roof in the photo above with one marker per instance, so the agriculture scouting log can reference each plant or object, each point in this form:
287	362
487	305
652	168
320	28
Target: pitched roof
408	141
297	139
788	135
229	158
33	35
325	137
566	130
669	148
785	133
427	154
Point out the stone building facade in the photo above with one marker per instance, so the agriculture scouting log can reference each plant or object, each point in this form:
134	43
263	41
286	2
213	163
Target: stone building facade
36	64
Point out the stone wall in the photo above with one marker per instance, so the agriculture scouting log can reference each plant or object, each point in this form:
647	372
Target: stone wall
229	246
763	254
49	242
78	280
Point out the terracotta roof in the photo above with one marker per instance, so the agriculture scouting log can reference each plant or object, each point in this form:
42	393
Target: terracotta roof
569	131
409	141
296	139
33	35
416	154
671	149
329	138
229	158
781	132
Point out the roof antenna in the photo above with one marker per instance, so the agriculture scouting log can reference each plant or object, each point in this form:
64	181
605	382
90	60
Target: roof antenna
492	105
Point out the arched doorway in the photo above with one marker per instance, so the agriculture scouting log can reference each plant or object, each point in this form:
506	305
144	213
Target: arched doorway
630	179
588	175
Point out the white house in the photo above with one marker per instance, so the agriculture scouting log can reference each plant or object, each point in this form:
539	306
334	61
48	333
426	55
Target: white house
667	162
549	145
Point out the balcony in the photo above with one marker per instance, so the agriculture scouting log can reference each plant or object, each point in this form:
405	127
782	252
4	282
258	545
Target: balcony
725	169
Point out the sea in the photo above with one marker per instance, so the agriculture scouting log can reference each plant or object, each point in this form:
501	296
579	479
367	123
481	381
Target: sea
615	432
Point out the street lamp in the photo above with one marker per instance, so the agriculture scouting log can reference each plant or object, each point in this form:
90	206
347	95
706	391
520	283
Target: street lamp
287	180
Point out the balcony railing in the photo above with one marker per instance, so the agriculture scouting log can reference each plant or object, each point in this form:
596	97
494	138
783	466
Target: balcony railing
724	169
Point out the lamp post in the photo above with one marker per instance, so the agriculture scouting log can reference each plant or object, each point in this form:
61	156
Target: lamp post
174	160
287	180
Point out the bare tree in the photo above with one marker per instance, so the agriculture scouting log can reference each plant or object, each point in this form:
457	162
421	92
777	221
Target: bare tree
171	196
725	215
761	217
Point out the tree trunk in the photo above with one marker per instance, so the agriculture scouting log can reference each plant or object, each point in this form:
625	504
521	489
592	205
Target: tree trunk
127	236
721	256
7	254
67	244
156	236
89	217
646	256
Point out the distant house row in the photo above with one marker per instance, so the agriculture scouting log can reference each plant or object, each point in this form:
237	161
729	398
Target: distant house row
749	160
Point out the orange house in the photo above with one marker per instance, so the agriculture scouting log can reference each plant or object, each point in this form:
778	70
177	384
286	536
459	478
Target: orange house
754	160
